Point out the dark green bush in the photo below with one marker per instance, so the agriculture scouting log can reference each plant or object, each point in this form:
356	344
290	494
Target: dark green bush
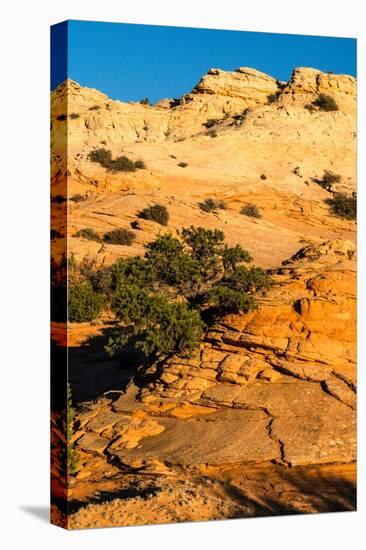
212	133
325	103
94	108
88	233
145	101
263	177
157	213
78	198
156	325
182	164
328	179
344	206
119	236
120	164
74	116
83	303
224	300
250	209
212	205
162	300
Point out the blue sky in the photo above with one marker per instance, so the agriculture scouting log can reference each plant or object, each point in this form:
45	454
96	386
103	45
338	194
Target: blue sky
128	62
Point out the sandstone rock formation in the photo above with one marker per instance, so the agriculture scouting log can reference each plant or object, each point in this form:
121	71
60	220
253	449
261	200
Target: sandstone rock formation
274	388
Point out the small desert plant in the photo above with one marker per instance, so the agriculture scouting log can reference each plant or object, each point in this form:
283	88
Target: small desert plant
62	117
157	213
325	103
212	133
74	116
344	206
182	164
119	236
88	233
145	101
212	205
120	164
251	210
94	108
83	303
78	198
328	179
263	177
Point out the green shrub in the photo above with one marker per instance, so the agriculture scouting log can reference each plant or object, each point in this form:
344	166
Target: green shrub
156	325
78	198
328	179
212	205
224	300
145	101
182	164
120	164
162	300
234	255
88	233
263	177
251	210
83	303
325	103
157	213
119	236
212	133
344	206
94	108
74	116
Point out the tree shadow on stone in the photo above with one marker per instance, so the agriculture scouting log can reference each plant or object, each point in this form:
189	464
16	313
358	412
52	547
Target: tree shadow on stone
300	494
